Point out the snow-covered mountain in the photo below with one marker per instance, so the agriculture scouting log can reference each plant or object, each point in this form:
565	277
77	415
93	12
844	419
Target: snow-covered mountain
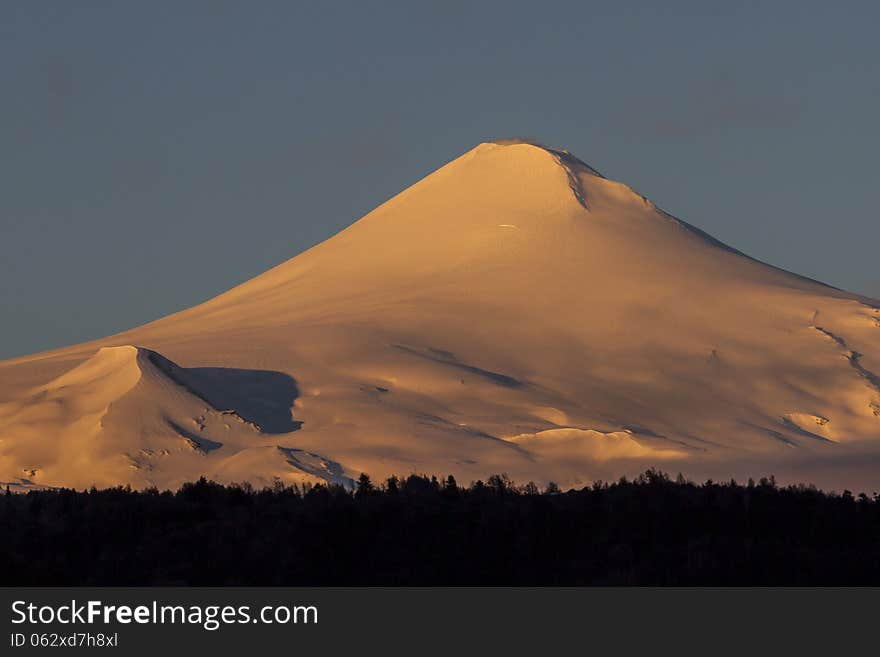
512	312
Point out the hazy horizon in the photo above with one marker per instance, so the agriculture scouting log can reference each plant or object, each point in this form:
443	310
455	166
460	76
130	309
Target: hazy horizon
159	155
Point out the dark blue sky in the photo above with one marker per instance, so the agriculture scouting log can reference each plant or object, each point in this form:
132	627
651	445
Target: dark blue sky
157	153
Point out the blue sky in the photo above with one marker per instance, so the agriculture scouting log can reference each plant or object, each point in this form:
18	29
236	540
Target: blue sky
155	154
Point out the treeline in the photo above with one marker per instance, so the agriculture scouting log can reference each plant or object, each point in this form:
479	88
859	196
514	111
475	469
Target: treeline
421	530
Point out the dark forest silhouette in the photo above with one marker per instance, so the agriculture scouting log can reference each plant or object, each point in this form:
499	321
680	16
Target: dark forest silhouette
421	530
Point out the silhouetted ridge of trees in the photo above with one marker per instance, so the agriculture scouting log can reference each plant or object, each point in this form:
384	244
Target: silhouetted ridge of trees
424	530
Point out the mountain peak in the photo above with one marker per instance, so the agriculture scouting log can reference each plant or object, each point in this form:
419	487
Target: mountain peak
571	166
115	369
563	157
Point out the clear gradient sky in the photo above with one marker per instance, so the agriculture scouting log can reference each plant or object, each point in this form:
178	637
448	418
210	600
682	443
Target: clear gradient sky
157	153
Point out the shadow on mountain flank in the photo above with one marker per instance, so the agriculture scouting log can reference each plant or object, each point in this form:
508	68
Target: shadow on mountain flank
263	397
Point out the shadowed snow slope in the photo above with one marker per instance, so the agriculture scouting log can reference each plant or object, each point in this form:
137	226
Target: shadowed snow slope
512	312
